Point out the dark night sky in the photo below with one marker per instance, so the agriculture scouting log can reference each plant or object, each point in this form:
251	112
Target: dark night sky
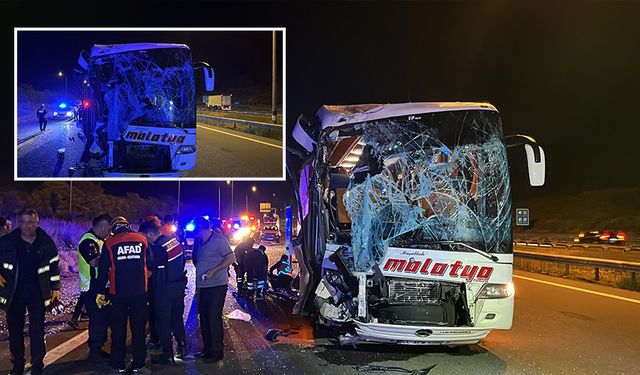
566	73
241	59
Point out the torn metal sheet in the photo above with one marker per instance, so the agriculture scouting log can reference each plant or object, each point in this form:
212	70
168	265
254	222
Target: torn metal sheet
426	179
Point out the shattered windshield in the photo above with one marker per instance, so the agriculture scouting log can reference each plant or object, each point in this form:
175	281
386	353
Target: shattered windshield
425	179
149	87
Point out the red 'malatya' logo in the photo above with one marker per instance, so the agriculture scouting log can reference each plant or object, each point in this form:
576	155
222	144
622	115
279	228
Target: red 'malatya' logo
153	137
456	269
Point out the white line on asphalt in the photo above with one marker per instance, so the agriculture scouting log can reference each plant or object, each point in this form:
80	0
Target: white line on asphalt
65	348
632	300
239	136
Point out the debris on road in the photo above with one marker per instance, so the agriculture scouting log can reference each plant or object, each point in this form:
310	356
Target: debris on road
239	315
273	334
375	368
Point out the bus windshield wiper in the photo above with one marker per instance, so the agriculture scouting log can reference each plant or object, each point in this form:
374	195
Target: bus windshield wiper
481	252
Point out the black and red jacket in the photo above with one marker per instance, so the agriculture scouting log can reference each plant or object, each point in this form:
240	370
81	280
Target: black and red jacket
124	262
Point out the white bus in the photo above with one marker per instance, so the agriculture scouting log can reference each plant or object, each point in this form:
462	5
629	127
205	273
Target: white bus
140	107
406	220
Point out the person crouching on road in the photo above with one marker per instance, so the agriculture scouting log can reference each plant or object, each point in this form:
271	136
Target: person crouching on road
124	264
213	260
257	264
241	252
169	281
29	281
282	279
89	250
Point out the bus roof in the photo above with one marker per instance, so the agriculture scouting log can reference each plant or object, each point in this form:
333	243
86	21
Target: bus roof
338	115
109	49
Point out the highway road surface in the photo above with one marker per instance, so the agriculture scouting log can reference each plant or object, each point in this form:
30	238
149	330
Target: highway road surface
221	153
560	327
227	153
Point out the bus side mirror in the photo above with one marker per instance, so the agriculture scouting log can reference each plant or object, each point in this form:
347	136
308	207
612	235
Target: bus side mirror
535	164
209	78
204	78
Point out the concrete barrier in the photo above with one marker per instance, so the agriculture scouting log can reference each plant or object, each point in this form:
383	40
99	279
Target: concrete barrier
605	271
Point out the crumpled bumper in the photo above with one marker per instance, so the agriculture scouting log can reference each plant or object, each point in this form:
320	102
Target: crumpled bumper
419	335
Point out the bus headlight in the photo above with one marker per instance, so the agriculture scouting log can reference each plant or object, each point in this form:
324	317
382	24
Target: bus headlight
490	291
186	149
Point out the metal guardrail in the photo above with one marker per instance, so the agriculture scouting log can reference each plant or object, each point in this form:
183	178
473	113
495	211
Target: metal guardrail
582	261
247	123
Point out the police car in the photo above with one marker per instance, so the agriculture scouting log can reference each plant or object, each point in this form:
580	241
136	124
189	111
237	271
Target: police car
65	111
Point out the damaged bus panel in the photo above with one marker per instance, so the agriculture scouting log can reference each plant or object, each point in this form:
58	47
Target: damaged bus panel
140	108
407	220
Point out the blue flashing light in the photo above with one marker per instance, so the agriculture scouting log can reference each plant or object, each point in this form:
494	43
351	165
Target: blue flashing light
63	105
236	226
190	227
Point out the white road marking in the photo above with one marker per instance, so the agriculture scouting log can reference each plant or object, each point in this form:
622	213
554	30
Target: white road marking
632	300
239	136
65	348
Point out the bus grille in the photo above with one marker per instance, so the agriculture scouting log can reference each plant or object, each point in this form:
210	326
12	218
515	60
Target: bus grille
413	292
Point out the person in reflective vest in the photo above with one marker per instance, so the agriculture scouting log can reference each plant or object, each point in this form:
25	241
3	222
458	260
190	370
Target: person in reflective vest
283	278
169	282
257	264
89	249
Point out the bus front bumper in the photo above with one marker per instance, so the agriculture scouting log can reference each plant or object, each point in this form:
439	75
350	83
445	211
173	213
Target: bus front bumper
419	335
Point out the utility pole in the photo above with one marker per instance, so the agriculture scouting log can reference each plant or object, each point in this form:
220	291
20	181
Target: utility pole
70	199
219	214
178	199
274	110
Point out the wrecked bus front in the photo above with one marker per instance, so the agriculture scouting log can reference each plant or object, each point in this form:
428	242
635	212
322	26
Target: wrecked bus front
414	208
143	99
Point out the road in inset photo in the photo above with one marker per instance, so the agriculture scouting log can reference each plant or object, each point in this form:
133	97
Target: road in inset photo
135	103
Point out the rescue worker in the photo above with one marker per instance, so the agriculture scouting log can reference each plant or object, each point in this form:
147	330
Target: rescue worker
5	226
29	281
257	264
169	227
89	250
169	282
282	279
41	114
124	263
213	260
154	341
241	252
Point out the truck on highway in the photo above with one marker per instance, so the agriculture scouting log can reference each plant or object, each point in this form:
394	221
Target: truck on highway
140	108
270	226
407	221
218	102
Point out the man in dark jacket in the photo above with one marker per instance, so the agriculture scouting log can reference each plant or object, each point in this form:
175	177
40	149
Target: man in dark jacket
41	114
29	281
123	262
241	252
169	282
257	264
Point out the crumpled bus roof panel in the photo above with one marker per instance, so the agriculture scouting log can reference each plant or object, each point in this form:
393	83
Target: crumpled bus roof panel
338	115
109	49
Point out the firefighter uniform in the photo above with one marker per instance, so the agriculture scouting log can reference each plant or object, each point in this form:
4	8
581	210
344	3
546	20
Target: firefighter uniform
257	264
169	281
89	248
123	262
